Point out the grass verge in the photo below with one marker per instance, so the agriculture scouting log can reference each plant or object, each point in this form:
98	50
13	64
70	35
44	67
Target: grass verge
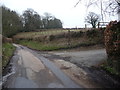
50	46
40	46
7	52
110	70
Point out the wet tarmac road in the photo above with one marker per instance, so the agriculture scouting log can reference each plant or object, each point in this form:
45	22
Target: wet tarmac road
57	69
35	71
86	58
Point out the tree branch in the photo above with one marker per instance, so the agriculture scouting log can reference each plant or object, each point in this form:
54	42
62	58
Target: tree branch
77	3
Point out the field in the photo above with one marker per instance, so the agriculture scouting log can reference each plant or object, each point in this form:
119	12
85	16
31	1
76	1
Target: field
59	39
44	33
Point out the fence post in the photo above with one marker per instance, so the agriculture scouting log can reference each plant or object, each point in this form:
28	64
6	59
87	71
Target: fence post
98	24
68	37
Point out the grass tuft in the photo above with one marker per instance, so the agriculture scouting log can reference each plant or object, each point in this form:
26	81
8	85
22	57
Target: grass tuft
110	70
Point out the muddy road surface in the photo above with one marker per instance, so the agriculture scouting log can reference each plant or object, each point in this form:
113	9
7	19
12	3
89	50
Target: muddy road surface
86	58
30	70
57	69
83	66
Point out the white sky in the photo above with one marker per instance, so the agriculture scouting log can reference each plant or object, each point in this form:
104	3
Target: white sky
62	9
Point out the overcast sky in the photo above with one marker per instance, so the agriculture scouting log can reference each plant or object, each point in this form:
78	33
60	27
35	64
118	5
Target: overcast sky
62	9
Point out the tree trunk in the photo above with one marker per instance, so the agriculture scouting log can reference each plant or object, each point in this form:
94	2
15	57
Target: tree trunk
118	11
119	14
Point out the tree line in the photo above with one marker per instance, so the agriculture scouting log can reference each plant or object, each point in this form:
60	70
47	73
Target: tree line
30	20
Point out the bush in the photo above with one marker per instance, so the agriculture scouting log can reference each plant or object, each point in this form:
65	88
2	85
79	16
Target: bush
92	33
62	35
112	44
76	34
51	37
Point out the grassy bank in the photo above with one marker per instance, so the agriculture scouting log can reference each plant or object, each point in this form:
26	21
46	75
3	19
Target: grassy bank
7	52
40	46
112	71
43	33
55	45
56	40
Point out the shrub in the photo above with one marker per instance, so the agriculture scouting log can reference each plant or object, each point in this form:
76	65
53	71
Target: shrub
76	34
51	37
92	33
62	35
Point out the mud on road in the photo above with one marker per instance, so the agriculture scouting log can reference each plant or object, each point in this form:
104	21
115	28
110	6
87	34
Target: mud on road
31	70
58	69
82	67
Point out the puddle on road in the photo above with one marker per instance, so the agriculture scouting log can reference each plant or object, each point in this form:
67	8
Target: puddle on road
12	71
55	85
22	82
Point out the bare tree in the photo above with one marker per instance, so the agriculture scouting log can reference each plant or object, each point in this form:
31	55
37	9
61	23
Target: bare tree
92	19
118	5
106	6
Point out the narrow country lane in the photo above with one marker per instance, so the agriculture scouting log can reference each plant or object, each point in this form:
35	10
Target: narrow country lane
57	69
35	71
